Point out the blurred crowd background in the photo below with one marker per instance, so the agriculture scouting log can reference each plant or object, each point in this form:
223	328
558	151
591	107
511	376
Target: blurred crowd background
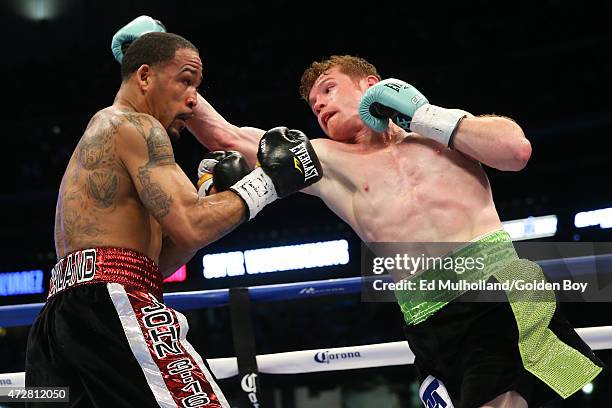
544	64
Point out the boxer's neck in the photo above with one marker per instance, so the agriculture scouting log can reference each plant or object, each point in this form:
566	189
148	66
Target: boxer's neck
131	97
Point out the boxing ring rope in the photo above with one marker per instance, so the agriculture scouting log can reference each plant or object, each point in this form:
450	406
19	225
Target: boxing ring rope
339	358
317	360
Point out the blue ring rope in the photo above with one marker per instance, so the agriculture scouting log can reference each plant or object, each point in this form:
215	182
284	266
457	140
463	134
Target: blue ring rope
22	315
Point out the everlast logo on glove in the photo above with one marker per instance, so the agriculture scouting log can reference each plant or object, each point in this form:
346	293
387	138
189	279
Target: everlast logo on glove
287	156
287	163
307	169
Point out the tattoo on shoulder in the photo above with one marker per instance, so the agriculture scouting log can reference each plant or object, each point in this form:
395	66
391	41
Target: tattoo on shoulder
159	147
136	119
95	147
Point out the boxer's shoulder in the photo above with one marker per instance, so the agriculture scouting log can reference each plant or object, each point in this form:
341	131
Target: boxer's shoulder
331	149
137	129
320	144
124	120
137	121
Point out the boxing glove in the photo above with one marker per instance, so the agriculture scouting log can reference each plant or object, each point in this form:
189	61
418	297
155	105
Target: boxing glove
131	31
409	109
219	170
287	163
390	99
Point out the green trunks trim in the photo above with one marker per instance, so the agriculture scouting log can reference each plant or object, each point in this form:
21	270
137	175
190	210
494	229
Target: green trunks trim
495	251
561	367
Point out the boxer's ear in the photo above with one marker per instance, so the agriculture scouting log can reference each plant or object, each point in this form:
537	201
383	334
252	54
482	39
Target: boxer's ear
143	76
372	80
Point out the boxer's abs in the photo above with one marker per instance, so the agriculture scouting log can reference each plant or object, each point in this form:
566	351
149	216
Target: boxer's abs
98	205
415	192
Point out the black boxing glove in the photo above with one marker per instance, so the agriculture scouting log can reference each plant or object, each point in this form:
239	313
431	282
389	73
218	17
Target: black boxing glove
220	170
287	164
289	159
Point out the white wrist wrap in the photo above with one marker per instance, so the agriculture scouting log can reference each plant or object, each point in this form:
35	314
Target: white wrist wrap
256	189
437	123
205	188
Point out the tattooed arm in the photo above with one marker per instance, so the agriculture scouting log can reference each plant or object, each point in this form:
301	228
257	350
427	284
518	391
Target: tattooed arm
189	220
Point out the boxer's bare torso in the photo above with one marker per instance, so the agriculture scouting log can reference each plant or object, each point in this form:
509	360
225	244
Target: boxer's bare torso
98	204
393	187
414	190
122	186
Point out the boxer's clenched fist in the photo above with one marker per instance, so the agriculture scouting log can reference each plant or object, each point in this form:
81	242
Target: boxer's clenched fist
219	170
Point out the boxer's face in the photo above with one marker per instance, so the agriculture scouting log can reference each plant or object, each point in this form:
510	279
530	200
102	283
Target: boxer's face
175	90
334	99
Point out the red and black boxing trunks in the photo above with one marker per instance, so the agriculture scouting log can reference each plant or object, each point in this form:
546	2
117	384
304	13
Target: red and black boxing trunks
106	334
